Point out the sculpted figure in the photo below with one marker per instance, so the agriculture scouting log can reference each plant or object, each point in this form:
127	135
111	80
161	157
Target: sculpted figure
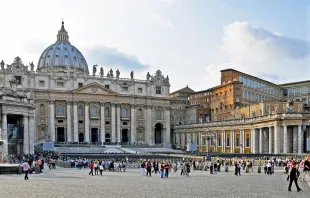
101	72
117	74
95	69
31	66
148	76
2	65
276	108
131	74
111	72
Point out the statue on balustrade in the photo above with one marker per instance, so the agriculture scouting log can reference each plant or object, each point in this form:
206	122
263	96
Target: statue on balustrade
94	69
2	65
117	74
111	73
276	108
148	76
253	114
131	75
31	66
101	72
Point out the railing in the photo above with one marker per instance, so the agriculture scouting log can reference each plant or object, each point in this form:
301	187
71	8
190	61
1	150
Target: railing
245	120
99	144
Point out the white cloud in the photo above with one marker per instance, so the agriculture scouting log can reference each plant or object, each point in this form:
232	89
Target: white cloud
158	19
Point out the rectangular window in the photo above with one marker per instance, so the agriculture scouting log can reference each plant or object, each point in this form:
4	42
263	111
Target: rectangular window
247	142
158	89
237	142
107	123
80	85
60	84
140	90
125	123
219	142
107	86
18	80
81	122
124	89
60	121
228	142
41	83
158	115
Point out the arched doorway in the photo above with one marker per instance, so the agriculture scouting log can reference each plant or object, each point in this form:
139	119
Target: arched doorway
94	134
60	134
107	137
158	133
81	137
125	137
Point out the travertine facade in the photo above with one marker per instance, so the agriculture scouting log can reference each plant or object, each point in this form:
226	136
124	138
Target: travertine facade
62	102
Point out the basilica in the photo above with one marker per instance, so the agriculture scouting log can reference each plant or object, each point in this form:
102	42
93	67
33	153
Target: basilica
62	101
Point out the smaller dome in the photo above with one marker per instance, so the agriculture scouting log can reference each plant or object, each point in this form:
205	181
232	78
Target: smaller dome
62	54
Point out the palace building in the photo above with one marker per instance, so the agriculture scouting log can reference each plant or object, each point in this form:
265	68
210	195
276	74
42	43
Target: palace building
61	101
248	115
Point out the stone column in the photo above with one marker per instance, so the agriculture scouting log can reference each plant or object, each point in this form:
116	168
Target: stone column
133	124
265	140
295	139
5	135
102	122
148	127
69	132
26	134
223	141
285	146
300	140
253	137
31	130
242	134
167	142
232	140
118	122
270	140
113	123
86	117
261	140
75	123
52	121
276	139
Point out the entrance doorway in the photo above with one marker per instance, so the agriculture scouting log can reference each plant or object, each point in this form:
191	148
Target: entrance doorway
125	137
15	132
158	133
107	137
81	137
61	134
94	134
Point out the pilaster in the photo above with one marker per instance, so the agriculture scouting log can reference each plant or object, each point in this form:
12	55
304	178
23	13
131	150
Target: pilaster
52	120
26	135
86	117
285	145
69	132
102	122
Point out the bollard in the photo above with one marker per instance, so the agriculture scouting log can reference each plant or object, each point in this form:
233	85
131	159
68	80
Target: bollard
226	168
259	170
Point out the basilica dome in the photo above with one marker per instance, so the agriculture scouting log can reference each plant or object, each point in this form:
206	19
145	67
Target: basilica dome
62	54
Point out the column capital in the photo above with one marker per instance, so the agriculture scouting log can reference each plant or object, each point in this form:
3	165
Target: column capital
86	103
31	116
113	104
133	106
69	102
75	102
102	104
51	101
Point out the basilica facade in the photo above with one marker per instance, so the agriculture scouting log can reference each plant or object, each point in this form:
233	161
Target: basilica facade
62	101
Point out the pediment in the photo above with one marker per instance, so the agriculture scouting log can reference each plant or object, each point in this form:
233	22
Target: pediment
94	88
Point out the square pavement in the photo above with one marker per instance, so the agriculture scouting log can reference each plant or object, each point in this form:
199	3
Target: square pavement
69	182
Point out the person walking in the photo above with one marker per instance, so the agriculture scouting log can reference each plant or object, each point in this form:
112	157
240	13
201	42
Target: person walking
100	168
167	170
292	176
162	170
26	169
301	170
148	168
91	167
307	167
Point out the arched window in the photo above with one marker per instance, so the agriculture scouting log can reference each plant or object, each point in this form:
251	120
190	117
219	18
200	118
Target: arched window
42	109
81	113
107	112
124	112
60	110
139	114
93	111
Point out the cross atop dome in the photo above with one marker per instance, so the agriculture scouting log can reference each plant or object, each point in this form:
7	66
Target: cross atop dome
62	33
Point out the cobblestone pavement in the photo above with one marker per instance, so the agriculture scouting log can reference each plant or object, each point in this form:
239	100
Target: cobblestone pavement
77	183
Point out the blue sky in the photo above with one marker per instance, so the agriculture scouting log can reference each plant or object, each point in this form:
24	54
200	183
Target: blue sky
189	40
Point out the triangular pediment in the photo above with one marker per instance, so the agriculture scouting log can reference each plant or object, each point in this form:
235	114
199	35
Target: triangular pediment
94	88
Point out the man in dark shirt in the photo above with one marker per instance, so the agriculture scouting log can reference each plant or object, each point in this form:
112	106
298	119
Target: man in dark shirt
292	176
148	168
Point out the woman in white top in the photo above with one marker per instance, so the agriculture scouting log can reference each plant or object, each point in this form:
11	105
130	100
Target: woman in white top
301	170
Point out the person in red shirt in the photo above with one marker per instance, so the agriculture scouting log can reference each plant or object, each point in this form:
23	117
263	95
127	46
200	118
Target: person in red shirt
91	166
148	168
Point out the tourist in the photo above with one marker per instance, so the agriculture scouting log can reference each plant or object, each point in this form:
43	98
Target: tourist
211	168
142	166
269	168
239	169
292	176
265	167
307	167
167	165
162	170
148	168
215	168
91	167
96	167
124	165
101	168
182	169
26	168
301	170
